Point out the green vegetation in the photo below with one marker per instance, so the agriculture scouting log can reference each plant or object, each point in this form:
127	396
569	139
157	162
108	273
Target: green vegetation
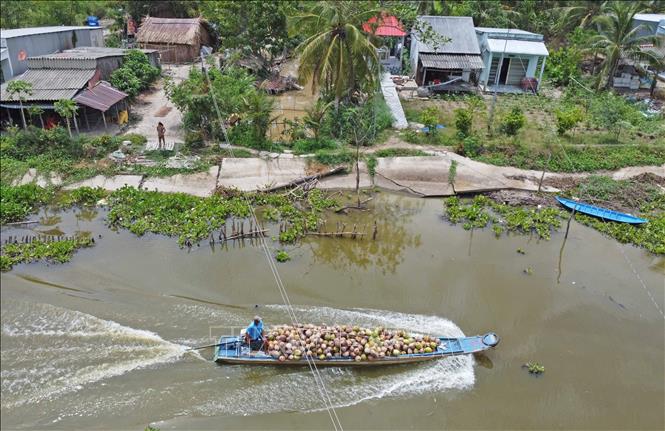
16	203
334	158
282	256
192	219
66	108
135	75
20	88
56	251
513	121
399	152
534	368
482	211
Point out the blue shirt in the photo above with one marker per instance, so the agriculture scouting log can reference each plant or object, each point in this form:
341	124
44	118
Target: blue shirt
255	331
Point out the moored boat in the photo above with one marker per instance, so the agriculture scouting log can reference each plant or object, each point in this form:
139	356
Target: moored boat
604	213
232	350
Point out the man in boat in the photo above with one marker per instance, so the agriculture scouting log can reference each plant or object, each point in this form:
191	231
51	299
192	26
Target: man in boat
255	335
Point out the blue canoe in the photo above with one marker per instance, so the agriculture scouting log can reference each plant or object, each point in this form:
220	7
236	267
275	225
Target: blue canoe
603	213
232	350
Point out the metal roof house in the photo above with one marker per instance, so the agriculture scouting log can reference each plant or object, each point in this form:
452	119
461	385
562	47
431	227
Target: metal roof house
78	75
651	24
21	43
514	60
177	39
390	32
455	62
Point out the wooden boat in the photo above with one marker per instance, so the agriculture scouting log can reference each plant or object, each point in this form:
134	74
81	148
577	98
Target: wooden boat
603	213
232	350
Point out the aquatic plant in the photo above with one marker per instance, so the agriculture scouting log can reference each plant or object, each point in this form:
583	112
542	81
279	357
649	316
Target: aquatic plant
282	256
17	202
192	218
534	368
54	251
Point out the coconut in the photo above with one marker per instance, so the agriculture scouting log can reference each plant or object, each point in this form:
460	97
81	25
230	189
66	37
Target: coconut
358	359
428	349
322	357
396	352
282	358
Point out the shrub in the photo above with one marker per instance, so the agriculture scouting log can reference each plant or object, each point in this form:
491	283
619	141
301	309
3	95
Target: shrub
562	65
463	122
126	80
567	119
430	117
328	157
194	140
513	122
399	152
306	146
470	147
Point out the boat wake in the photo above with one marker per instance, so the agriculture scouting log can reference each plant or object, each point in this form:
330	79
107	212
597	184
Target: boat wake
75	349
294	389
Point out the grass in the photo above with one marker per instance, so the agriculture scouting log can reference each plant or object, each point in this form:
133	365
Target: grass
399	152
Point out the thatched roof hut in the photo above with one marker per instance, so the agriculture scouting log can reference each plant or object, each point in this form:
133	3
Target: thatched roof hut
177	39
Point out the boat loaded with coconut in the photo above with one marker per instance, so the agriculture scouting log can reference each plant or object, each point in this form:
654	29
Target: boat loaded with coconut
343	345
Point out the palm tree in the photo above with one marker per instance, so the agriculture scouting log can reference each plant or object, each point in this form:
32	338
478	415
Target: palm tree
21	89
581	15
66	108
314	116
337	55
617	37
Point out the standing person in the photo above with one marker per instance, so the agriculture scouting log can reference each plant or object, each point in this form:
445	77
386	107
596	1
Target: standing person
161	130
255	335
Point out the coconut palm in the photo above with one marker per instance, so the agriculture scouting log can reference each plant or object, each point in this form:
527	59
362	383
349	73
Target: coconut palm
580	14
314	117
21	89
337	55
617	37
66	108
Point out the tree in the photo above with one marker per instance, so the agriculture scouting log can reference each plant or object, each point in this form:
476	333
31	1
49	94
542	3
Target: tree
314	117
337	55
66	108
257	108
21	89
452	174
617	36
36	111
255	28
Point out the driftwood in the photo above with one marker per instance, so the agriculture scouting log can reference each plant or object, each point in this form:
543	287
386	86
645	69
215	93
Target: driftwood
354	207
306	179
21	222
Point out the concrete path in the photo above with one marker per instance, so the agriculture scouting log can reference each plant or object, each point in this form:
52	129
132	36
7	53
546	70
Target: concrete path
423	176
155	107
392	100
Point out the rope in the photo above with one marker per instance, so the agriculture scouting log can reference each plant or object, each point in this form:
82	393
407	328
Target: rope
644	286
325	396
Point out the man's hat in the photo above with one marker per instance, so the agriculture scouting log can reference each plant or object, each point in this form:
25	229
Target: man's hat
257	317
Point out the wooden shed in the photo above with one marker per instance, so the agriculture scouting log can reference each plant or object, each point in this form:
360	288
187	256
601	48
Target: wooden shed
177	39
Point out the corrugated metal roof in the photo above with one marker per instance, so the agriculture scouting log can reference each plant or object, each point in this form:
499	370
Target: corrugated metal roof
90	52
459	29
51	84
650	17
101	97
517	47
61	63
30	31
451	61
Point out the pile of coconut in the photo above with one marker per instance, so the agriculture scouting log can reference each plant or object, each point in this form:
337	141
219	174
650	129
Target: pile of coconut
291	343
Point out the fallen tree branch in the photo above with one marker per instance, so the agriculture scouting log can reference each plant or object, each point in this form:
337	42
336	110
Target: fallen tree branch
306	179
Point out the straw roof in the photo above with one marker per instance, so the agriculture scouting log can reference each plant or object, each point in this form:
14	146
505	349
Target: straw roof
177	31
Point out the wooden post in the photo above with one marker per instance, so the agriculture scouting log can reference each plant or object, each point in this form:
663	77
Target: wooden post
76	124
85	116
104	118
540	183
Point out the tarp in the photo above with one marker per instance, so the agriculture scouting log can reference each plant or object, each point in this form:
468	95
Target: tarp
101	97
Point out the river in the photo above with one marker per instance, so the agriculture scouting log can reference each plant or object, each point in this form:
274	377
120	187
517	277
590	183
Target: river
100	342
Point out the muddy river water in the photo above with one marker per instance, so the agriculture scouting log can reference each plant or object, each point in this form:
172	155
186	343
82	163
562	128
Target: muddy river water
99	343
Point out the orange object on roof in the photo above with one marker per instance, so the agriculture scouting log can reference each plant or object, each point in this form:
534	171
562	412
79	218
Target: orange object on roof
387	25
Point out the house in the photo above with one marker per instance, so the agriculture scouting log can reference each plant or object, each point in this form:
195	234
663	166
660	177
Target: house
391	34
21	43
106	60
513	59
72	77
449	64
651	24
177	39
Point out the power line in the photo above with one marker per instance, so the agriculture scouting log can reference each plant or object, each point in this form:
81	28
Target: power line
325	396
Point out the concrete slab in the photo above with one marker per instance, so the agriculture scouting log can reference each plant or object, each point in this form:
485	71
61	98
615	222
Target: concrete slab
108	183
347	181
31	176
393	102
200	184
255	174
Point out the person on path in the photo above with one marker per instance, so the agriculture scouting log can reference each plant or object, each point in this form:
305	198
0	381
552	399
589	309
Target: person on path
255	335
161	130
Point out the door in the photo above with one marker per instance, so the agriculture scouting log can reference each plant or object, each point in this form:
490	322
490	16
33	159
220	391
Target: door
504	71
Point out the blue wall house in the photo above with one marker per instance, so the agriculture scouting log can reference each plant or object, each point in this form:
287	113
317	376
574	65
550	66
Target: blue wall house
22	43
513	59
650	24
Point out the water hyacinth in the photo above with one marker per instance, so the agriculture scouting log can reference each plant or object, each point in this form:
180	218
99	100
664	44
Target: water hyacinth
293	343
